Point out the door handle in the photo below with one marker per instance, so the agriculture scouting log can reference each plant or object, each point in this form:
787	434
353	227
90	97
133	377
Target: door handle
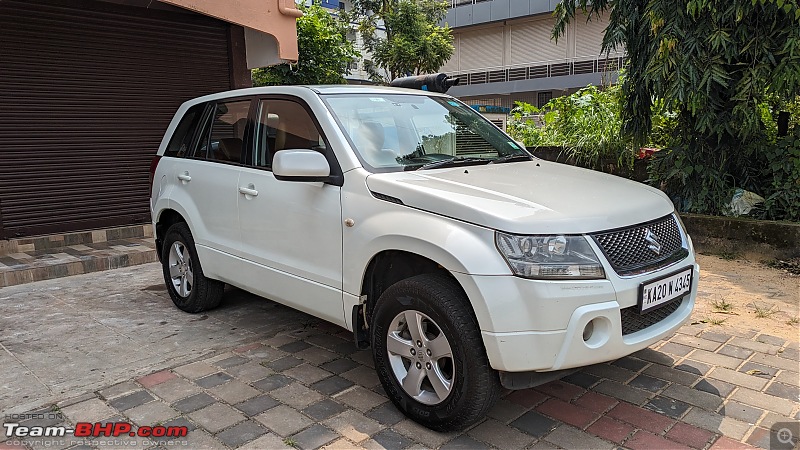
184	177
249	190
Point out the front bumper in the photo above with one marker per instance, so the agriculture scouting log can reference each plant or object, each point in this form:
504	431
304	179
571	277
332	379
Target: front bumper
557	314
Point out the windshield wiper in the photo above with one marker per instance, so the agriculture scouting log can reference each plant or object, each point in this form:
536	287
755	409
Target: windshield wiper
511	158
454	161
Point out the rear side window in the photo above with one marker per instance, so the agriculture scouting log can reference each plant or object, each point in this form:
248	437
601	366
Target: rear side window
224	140
181	141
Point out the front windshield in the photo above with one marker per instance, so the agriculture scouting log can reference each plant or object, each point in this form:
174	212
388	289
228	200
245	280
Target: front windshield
410	132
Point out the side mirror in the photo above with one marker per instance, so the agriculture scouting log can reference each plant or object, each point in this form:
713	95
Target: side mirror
300	165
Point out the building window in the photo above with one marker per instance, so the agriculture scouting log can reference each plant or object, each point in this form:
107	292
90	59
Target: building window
543	98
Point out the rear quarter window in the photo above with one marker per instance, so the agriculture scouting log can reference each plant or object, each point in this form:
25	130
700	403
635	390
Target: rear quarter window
181	141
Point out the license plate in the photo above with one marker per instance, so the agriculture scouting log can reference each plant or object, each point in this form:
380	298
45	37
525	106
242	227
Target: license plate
654	294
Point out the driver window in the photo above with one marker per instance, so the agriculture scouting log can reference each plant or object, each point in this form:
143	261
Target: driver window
281	125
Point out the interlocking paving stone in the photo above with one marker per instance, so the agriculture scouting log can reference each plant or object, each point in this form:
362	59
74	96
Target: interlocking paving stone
644	440
693	367
92	410
655	356
596	402
353	425
716	359
296	395
249	372
704	419
234	392
360	398
307	374
733	428
534	424
386	414
426	437
569	437
623	392
175	389
284	420
287	362
716	387
760	347
314	437
726	443
131	400
216	417
118	390
784	391
765	401
734	351
630	363
388	439
332	385
269	441
196	370
582	379
696	342
272	382
213	380
611	430
774	361
559	389
316	355
153	379
688	435
363	376
324	409
714	336
758	370
193	403
527	397
667	406
670	374
743	412
567	412
611	372
151	413
340	365
504	411
738	378
641	418
648	383
693	397
500	435
244	432
231	362
294	347
257	405
180	422
464	443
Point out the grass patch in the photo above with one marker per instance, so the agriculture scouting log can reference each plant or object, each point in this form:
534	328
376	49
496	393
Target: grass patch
721	305
713	321
793	321
729	256
290	442
764	312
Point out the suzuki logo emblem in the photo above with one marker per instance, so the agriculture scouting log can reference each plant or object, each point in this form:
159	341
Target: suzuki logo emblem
652	241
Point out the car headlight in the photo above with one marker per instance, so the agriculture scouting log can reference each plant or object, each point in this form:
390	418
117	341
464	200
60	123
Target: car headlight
550	257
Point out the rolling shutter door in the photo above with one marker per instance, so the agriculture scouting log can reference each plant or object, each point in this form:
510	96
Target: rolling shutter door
452	64
530	43
589	36
481	49
86	93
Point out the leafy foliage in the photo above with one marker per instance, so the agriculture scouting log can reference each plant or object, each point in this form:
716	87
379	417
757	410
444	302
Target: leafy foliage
724	67
324	52
403	36
782	166
586	124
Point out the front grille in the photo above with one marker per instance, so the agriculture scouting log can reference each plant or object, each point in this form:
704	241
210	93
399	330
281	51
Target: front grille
628	252
632	321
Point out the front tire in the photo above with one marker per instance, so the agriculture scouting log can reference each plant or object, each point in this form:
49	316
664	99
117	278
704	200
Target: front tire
429	353
189	289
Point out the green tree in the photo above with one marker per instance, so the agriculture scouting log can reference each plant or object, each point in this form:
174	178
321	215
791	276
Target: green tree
324	52
715	63
403	36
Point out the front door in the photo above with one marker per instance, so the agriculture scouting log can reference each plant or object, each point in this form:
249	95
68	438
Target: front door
291	232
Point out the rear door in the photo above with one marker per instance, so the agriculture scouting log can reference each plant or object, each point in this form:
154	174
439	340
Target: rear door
205	182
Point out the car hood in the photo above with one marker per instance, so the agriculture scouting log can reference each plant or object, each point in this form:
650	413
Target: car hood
536	197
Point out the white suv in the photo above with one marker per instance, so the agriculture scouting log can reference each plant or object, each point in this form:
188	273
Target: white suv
408	218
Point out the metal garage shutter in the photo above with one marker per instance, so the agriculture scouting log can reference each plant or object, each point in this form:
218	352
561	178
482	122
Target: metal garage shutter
531	43
589	36
481	49
87	90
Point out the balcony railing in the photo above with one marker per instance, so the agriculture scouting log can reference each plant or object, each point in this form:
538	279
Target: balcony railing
545	69
454	3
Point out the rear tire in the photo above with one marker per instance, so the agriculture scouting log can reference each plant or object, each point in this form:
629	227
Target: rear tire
429	353
189	289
